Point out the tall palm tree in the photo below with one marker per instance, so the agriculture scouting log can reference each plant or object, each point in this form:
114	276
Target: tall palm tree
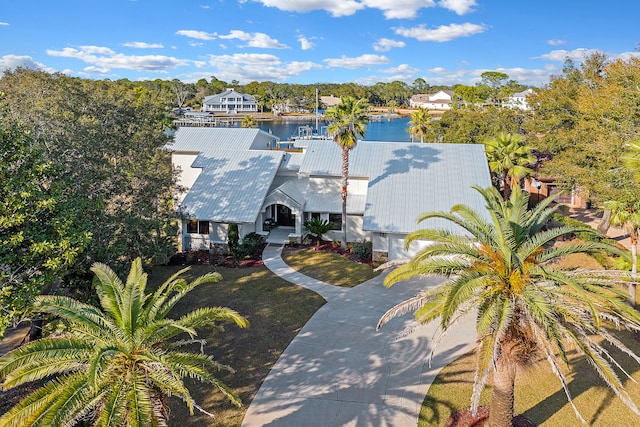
248	122
501	271
420	124
509	158
348	122
627	215
114	366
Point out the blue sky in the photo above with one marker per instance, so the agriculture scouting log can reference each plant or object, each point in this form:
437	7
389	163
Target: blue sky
310	41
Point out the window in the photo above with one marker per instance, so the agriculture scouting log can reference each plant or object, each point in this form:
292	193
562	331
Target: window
336	221
198	227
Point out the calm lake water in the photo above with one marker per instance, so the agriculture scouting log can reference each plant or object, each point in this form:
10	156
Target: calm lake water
394	130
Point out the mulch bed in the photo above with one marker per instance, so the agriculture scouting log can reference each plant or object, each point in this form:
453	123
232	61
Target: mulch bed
463	418
220	260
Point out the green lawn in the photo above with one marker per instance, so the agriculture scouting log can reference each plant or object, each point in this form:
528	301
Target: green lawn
276	309
539	395
328	267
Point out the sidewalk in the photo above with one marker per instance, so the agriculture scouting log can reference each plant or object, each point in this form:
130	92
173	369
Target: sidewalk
340	371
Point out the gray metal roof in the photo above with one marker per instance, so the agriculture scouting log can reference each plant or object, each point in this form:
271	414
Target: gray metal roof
203	139
215	99
232	185
332	203
406	180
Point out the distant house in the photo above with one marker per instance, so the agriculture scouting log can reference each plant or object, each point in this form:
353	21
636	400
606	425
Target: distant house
519	100
232	176
330	101
440	100
230	102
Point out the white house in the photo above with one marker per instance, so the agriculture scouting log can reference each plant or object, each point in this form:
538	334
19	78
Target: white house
440	100
519	100
230	102
232	176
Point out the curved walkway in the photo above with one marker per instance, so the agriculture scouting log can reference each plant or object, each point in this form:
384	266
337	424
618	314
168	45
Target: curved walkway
340	371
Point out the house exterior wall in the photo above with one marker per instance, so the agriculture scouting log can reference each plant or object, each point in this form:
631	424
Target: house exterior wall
354	230
188	175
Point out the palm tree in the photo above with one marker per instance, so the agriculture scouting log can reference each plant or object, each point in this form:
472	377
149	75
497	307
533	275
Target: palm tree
627	215
348	122
318	228
420	123
114	366
502	272
508	158
248	122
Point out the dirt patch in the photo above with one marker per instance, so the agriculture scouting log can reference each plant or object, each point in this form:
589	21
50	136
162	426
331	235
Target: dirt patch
464	418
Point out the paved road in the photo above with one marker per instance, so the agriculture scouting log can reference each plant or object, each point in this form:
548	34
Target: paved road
339	371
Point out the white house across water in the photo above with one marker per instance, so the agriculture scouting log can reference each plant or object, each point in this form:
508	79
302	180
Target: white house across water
234	175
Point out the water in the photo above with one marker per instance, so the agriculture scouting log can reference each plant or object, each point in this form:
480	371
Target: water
394	130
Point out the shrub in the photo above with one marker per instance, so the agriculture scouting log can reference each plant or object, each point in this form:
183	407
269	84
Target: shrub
250	246
317	228
233	236
362	250
572	222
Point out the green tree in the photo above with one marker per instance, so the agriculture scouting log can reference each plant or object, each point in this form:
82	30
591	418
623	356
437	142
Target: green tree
627	215
318	228
249	122
420	124
502	272
115	365
509	159
40	237
347	123
420	85
108	140
494	81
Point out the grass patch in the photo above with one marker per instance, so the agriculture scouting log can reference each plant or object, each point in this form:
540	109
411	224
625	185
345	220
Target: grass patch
277	311
328	267
538	394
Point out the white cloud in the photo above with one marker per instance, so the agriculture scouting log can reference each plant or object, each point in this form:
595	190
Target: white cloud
143	45
106	58
194	34
94	69
443	33
4	24
458	6
399	9
336	8
194	43
404	69
246	67
358	62
396	9
11	62
305	43
258	40
385	45
437	70
561	55
556	42
205	6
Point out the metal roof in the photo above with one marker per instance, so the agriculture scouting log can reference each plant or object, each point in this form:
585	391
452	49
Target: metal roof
232	185
203	139
407	179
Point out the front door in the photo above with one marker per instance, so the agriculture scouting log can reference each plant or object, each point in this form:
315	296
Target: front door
285	217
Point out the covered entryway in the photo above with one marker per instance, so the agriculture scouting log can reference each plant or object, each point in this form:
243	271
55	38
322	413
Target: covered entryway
285	217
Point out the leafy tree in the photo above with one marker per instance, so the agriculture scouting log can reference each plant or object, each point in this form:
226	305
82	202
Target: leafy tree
494	81
249	122
40	236
347	123
502	272
420	124
474	125
627	215
108	140
420	85
509	159
115	365
318	228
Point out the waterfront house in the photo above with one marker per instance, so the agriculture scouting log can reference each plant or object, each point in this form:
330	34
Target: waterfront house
230	102
234	175
440	100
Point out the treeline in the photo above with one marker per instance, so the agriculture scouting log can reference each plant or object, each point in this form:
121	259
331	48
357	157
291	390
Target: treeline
493	87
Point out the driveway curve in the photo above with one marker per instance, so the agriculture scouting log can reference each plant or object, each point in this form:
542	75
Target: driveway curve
340	371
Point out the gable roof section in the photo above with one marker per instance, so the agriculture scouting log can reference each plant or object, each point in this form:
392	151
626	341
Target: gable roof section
216	99
232	185
205	139
406	180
